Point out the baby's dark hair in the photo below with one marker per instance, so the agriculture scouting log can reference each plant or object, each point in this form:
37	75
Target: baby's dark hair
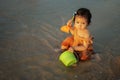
84	12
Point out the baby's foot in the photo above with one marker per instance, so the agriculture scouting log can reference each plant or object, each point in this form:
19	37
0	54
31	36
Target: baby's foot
84	57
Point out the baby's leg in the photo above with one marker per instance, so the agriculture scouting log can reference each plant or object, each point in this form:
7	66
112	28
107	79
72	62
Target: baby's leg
84	55
67	43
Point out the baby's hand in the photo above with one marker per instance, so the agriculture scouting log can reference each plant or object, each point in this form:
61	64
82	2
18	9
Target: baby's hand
69	23
71	49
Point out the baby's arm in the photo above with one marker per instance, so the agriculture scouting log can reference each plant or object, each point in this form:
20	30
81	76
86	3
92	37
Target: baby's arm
69	24
85	44
81	47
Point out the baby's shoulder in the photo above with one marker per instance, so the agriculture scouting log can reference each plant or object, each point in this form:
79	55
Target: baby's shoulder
86	31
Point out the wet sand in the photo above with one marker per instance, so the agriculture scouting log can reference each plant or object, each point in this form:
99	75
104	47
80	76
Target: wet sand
29	35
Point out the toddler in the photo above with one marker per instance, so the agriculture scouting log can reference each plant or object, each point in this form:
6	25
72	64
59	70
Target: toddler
81	40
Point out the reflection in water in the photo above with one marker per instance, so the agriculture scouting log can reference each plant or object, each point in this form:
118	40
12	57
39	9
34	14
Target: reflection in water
29	34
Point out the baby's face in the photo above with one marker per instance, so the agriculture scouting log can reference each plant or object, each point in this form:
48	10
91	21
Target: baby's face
80	22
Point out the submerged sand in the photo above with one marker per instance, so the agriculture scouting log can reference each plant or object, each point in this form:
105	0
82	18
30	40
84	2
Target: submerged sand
30	35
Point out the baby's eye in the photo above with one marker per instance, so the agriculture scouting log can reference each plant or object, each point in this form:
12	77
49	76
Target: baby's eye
83	23
77	22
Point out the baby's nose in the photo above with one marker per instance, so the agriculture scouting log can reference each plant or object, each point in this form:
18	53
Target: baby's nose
80	24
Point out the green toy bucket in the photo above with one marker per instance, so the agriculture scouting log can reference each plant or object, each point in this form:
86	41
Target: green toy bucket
67	58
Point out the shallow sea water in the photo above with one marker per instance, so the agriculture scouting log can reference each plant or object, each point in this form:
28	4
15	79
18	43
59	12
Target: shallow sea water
30	35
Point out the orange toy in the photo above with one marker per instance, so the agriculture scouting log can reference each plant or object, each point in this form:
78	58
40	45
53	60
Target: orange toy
65	28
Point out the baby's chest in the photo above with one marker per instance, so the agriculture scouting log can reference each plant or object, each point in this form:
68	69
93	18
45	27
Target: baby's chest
81	35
